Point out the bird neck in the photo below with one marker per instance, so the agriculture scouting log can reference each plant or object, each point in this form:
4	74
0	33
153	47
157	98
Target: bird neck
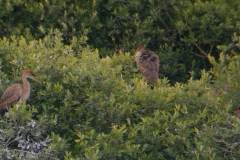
138	55
26	88
140	51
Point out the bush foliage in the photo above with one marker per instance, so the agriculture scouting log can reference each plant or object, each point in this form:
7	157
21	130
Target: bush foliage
97	108
95	105
182	33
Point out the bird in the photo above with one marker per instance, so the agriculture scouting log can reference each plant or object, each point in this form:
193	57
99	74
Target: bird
17	93
116	51
148	63
237	112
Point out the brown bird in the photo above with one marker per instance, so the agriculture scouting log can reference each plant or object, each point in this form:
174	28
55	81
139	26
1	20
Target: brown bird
17	93
237	112
116	51
148	63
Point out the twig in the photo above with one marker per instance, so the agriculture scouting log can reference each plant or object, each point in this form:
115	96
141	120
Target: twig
198	46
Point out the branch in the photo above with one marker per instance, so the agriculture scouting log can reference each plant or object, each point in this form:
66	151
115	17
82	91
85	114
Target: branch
204	53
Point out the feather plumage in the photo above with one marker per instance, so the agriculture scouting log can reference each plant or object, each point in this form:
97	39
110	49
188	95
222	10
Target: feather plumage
148	63
17	93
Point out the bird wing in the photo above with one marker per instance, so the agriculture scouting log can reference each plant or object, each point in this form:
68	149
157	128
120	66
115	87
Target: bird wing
149	65
11	96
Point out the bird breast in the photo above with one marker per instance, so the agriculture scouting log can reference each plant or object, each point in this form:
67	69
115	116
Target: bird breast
138	58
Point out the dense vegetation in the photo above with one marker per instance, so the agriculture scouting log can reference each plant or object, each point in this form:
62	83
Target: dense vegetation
94	104
182	32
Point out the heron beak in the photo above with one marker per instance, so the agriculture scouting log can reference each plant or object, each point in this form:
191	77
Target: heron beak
36	79
134	56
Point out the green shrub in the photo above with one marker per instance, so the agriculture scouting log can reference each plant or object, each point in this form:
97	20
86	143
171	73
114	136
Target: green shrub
25	138
182	33
102	108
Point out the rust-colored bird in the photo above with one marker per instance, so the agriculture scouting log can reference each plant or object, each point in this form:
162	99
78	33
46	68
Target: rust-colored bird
237	112
116	51
148	63
17	93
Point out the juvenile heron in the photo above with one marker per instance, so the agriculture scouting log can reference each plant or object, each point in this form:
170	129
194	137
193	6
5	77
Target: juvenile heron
17	93
148	63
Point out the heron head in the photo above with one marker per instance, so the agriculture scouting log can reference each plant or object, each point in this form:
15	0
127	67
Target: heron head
139	49
30	74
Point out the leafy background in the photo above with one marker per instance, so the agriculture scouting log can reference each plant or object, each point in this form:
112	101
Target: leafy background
94	104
